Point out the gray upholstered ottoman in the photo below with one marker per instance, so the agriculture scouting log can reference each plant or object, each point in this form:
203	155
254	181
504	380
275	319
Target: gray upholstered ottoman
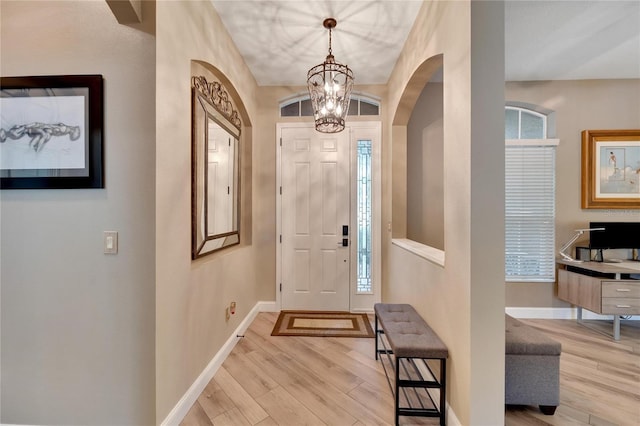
532	367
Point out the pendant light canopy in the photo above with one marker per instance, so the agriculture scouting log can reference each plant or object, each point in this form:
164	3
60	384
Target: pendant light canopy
330	85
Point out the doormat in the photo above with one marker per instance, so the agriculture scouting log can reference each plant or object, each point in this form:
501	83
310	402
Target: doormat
322	324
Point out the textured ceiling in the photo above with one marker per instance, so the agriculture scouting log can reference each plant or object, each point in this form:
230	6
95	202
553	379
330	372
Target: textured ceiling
281	40
572	40
544	40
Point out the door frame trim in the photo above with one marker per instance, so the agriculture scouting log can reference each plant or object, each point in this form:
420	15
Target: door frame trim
357	129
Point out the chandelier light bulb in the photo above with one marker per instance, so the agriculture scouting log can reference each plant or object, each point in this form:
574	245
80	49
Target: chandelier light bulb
329	104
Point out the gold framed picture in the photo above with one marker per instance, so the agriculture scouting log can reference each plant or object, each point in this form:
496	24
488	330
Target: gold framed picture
611	169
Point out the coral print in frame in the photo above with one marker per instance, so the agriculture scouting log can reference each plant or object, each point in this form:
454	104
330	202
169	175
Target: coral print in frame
51	132
611	169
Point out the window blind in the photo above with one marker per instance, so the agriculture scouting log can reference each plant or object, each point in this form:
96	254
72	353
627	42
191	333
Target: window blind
530	212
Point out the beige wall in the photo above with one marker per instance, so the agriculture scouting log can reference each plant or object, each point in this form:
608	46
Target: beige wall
579	105
464	300
78	335
192	295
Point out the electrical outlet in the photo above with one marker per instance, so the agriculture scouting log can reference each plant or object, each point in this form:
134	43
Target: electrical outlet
226	314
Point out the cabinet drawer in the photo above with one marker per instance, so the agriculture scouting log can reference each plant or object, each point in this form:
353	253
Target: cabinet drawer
580	290
622	306
620	289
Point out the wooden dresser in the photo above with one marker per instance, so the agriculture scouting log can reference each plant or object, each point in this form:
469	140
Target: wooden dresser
603	288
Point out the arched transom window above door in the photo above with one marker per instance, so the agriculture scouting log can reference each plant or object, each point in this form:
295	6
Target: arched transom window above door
300	106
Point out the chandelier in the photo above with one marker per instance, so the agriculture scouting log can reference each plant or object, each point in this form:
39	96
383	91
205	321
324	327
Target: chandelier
330	85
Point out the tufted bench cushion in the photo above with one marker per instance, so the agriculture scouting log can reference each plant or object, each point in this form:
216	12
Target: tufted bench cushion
408	334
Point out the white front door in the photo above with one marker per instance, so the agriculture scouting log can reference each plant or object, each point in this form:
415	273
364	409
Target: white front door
315	216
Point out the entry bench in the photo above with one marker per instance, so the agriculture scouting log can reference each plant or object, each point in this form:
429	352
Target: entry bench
408	343
532	367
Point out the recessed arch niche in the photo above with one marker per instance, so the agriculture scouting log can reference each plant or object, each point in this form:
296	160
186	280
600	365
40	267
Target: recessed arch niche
418	144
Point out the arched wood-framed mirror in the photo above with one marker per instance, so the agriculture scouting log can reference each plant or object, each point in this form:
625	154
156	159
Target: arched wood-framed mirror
215	168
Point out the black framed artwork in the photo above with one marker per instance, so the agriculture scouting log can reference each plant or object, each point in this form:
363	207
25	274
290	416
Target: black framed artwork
51	132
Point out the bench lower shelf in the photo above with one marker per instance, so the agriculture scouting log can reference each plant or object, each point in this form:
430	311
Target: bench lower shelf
415	384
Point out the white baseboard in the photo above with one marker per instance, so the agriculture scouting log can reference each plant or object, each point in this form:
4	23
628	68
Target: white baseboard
189	398
557	313
362	311
266	307
451	417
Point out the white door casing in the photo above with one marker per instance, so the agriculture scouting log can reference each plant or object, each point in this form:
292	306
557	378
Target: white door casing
354	300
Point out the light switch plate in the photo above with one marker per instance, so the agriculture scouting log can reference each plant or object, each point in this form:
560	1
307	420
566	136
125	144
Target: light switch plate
110	242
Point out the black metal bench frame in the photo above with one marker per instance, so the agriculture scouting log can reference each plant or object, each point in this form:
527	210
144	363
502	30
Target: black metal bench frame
416	372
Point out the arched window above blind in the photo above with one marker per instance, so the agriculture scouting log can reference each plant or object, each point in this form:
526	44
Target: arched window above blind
520	123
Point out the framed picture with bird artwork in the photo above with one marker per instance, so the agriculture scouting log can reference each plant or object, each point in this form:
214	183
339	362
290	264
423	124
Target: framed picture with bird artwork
611	169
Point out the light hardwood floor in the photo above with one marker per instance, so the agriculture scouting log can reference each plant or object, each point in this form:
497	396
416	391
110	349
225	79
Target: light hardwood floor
336	381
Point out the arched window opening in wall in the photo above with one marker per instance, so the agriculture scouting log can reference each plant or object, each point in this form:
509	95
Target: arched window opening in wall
530	182
418	167
425	166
